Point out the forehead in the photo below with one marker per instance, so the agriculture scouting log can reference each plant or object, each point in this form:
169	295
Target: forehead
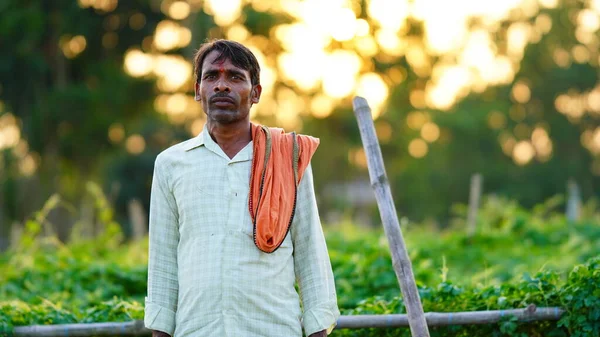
225	63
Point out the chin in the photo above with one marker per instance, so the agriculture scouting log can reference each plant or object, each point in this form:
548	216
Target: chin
225	116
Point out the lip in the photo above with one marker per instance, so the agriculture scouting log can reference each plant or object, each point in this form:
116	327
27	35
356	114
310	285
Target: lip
222	100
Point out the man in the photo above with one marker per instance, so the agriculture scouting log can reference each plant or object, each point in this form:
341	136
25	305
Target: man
234	221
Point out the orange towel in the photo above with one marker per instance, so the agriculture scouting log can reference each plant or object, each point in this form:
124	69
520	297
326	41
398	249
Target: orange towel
278	163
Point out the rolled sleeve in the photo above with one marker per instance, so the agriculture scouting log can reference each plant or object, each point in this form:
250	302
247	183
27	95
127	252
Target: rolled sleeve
159	318
322	317
163	285
311	262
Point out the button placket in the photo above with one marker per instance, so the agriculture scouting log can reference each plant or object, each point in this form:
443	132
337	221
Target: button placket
231	201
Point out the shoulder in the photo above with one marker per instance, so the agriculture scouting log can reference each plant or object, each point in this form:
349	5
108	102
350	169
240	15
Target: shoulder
175	153
289	132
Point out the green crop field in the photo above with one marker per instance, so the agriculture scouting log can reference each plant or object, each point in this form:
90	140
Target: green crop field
516	258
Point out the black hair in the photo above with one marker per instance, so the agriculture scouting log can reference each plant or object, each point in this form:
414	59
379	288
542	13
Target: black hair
239	55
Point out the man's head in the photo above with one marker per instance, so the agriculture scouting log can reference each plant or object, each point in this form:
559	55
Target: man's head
237	53
227	80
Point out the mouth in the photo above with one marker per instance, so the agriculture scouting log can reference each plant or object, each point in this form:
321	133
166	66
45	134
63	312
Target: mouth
221	101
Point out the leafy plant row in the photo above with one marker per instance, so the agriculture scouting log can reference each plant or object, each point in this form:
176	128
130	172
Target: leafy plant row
579	296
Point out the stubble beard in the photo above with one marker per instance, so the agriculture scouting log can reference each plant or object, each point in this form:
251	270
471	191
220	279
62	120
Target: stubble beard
226	117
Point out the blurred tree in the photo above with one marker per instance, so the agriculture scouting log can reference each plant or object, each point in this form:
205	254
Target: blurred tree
98	88
61	74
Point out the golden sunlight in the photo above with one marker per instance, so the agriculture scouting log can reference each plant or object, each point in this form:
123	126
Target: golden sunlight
322	106
135	144
523	152
430	132
224	12
416	119
417	148
28	165
173	72
116	133
372	87
72	47
521	92
343	26
10	134
170	35
328	49
496	120
137	63
542	143
389	14
340	73
179	10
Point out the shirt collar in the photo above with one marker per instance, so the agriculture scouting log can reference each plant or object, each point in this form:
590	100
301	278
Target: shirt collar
200	140
196	141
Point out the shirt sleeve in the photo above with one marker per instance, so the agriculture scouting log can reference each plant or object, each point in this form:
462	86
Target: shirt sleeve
163	286
311	262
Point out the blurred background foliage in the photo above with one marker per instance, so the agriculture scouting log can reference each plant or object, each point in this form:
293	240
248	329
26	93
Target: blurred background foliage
516	258
93	90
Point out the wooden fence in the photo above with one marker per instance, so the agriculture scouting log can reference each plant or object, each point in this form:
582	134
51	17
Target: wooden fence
136	328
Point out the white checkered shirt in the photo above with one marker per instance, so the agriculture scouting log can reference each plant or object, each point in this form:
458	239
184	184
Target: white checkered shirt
205	275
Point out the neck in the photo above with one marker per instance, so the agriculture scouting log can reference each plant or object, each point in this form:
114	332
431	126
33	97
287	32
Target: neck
231	138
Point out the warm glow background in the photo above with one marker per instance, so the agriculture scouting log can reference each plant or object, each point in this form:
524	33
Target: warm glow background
508	88
328	51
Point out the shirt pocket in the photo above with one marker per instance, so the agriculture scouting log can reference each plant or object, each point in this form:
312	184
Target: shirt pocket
206	187
203	205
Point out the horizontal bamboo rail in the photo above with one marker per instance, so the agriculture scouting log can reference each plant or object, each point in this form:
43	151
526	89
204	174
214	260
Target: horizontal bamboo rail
136	328
450	318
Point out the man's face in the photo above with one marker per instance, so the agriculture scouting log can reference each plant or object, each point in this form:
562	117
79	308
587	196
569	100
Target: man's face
226	91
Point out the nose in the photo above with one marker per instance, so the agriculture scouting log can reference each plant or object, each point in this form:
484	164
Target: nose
221	85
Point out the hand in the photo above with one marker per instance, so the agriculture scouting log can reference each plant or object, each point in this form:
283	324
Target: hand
322	333
156	333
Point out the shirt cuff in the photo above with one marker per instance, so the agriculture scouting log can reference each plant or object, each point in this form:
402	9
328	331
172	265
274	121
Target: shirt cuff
159	318
323	317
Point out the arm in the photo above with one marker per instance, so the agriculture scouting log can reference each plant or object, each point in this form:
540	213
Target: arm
311	263
163	286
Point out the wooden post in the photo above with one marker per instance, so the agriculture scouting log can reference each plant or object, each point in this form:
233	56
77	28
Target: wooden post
574	201
387	209
137	217
474	196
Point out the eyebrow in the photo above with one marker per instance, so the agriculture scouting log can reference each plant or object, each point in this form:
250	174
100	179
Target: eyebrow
229	71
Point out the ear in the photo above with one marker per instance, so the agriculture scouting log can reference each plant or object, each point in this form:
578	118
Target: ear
256	91
197	91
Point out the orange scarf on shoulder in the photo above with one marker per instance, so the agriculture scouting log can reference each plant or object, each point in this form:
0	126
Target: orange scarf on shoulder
278	163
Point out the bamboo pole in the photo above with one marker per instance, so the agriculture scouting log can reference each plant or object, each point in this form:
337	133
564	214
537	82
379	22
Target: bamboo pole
136	328
387	209
450	318
133	328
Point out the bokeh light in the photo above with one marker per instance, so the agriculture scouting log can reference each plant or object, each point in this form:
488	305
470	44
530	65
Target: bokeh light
330	51
135	144
523	152
179	10
417	148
